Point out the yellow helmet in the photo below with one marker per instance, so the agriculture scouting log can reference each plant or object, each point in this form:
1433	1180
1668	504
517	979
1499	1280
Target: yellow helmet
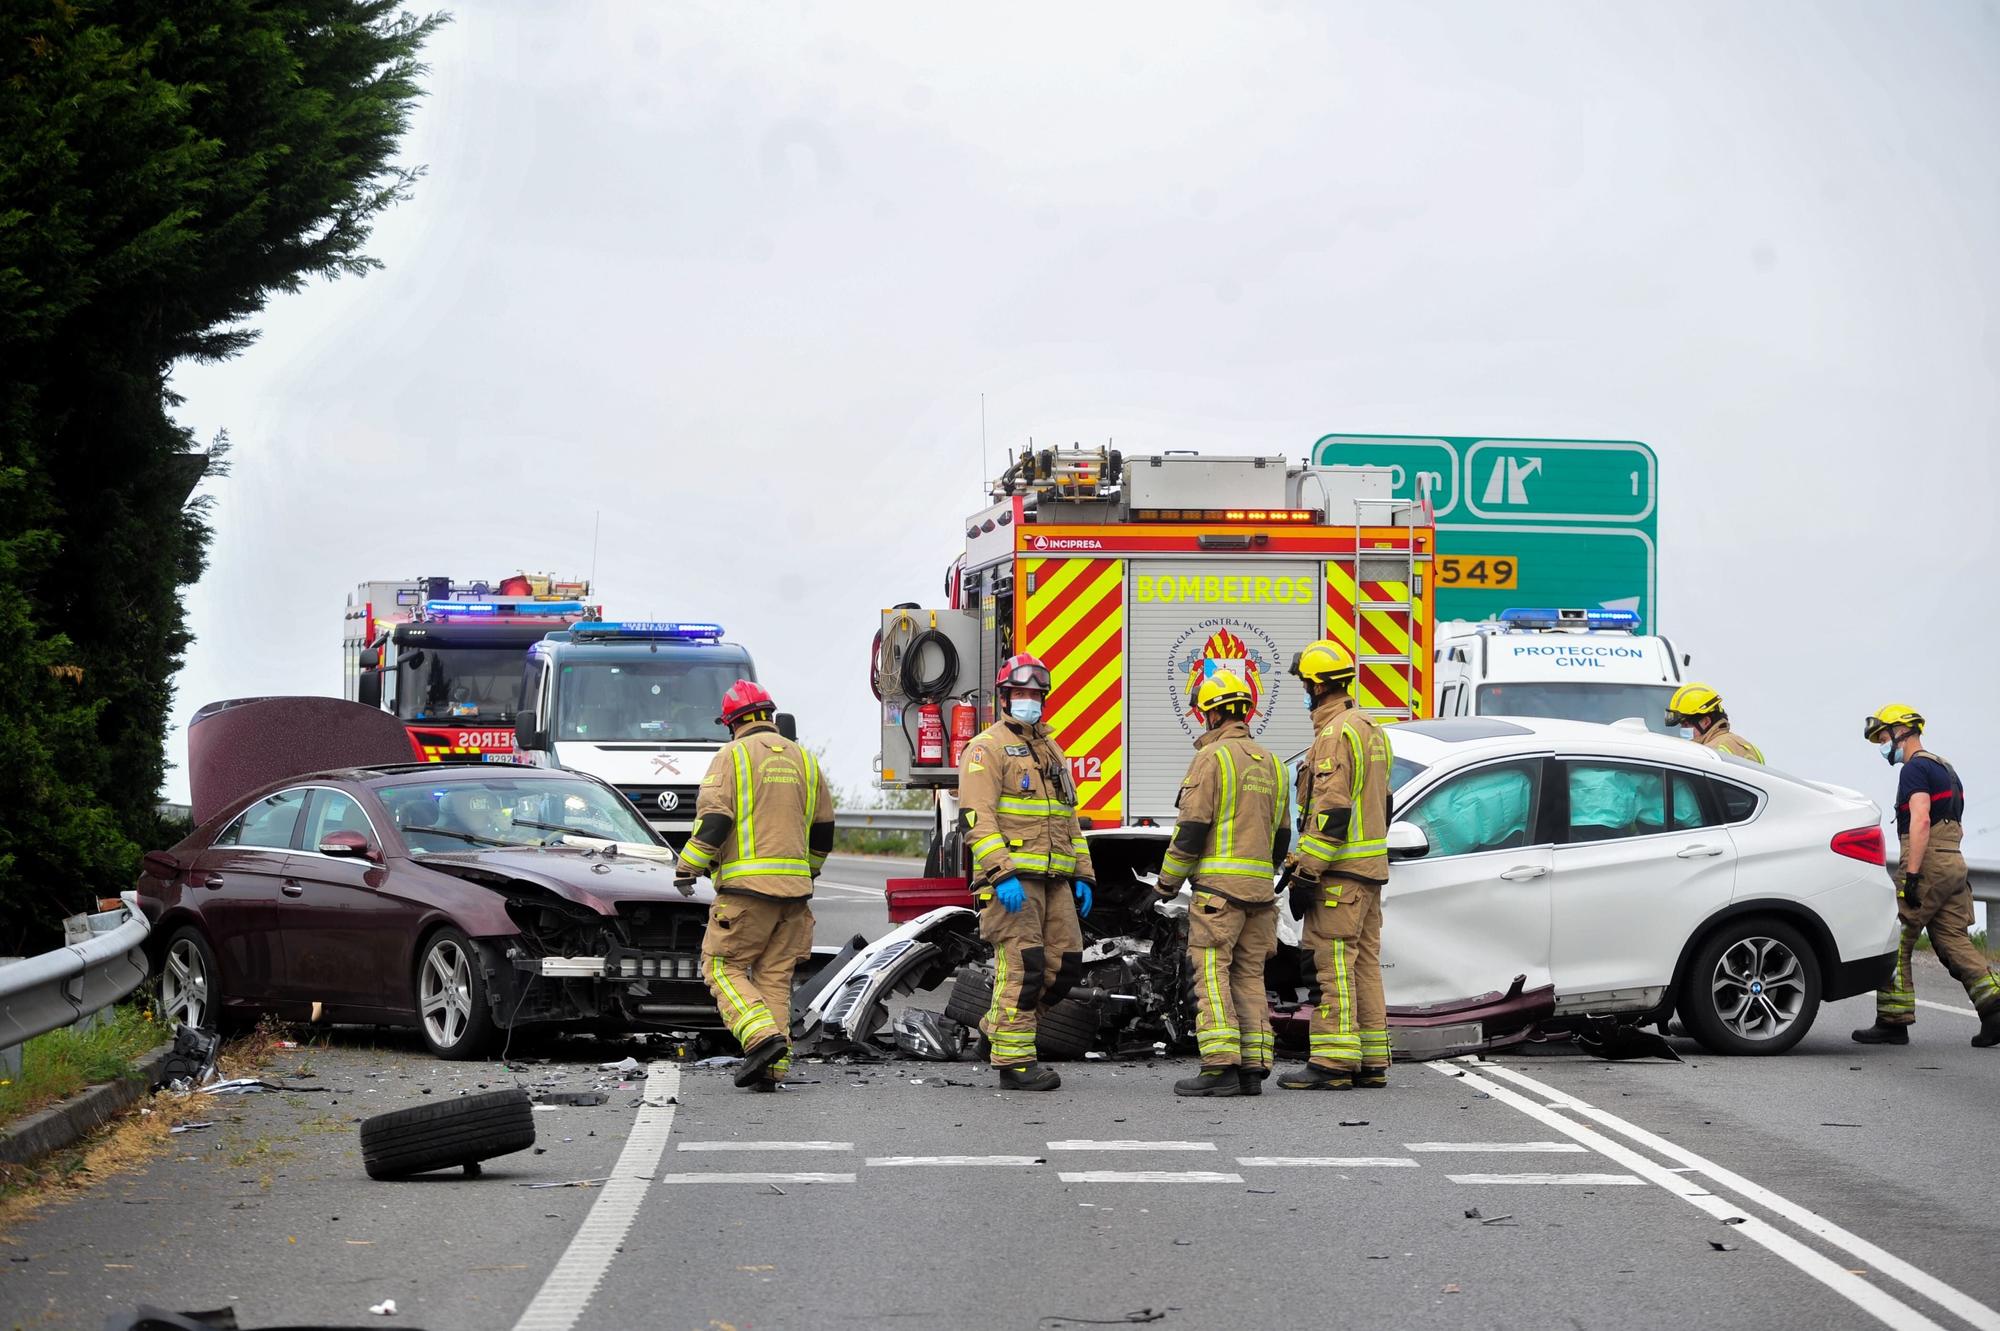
1222	690
1324	662
1895	714
1692	700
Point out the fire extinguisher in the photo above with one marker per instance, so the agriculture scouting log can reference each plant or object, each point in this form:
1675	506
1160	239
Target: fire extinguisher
962	721
930	735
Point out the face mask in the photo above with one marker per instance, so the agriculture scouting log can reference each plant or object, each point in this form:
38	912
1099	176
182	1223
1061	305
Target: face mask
1308	698
1028	710
1687	732
1889	749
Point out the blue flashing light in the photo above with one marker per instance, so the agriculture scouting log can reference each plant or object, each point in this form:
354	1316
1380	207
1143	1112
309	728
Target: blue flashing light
1570	619
480	609
675	630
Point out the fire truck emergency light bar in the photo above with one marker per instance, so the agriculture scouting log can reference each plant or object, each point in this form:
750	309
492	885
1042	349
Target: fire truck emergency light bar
1307	515
673	629
481	609
1574	619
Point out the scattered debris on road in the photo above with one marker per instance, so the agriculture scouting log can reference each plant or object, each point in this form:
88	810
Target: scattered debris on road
386	1308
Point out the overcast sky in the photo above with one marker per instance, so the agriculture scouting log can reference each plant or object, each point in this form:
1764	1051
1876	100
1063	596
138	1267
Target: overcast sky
736	276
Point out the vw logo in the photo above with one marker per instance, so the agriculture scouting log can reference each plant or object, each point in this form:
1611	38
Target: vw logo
668	801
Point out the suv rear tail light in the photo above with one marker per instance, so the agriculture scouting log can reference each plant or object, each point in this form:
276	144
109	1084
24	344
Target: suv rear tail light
1862	843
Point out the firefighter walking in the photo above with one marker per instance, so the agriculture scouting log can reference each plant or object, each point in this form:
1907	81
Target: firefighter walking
1230	834
1338	870
1934	893
1697	710
763	828
1030	867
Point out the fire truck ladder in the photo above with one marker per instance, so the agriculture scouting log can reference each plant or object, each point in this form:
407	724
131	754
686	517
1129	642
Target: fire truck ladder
1385	565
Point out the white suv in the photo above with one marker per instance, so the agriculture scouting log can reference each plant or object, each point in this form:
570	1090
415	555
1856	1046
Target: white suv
1630	875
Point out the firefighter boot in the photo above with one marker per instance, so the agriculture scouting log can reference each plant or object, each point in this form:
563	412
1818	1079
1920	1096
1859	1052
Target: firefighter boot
1029	1077
1882	1033
1210	1081
1250	1081
1989	1030
1373	1079
1313	1077
758	1059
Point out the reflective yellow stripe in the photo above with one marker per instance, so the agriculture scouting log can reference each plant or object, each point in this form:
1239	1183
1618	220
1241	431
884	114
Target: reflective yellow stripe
696	856
743	868
746	834
812	786
986	845
1015	804
1319	848
1057	863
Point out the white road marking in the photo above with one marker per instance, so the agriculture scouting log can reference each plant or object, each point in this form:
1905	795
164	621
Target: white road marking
1081	1145
1583	1180
851	887
1880	1260
893	1161
569	1287
1491	1146
1326	1161
765	1146
1891	1311
1148	1176
724	1176
1946	1007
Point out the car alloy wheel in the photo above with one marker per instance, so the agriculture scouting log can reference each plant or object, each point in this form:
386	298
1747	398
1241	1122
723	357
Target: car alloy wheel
444	993
184	984
1759	988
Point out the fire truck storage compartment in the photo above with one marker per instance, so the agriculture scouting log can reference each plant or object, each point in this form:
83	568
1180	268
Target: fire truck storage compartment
1190	617
1183	481
935	652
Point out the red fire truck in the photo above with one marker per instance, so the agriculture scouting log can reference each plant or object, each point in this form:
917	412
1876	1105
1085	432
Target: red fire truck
447	658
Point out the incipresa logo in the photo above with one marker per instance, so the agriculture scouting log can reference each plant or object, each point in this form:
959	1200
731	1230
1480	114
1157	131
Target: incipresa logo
1068	543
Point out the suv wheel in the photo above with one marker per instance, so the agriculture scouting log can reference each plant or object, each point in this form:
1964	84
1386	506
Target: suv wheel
1753	988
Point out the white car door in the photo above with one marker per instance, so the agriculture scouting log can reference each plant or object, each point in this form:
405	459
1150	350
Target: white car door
1473	912
1640	861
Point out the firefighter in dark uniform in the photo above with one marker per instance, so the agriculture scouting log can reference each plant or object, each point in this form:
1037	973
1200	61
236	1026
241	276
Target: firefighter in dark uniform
1030	869
1230	835
763	828
1339	868
1934	892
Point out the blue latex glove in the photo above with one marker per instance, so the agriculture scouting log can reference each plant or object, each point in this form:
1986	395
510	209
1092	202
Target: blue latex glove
1083	898
1011	893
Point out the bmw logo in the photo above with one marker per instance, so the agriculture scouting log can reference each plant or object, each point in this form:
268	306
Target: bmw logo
1756	986
668	801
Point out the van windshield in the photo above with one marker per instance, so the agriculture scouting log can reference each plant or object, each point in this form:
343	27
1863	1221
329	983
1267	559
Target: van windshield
643	700
1578	701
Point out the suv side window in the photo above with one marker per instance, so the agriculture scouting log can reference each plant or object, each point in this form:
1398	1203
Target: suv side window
335	811
1490	808
1609	801
269	823
1736	802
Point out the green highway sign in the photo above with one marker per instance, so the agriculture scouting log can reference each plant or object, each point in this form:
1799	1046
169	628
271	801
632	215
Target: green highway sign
1526	522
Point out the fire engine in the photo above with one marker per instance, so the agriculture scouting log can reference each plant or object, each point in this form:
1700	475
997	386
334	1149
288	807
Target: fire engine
446	657
1134	577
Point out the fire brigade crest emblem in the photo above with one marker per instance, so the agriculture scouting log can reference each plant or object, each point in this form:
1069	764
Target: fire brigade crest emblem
1213	645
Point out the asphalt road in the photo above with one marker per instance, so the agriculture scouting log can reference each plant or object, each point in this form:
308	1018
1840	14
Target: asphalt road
916	1195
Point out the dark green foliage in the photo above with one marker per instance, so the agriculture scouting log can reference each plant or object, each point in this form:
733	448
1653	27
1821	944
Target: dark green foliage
164	167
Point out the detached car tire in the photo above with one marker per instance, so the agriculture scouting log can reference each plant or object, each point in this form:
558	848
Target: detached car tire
447	1134
1065	1031
1753	988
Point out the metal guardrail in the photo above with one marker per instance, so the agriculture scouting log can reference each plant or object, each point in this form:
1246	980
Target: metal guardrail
887	820
106	962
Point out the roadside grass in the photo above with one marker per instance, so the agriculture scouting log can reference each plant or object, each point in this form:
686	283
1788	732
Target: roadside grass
130	1141
63	1062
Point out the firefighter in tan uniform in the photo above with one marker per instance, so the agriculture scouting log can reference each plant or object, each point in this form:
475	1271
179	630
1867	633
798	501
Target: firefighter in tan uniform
1338	870
1230	835
1030	869
1935	893
1697	710
763	828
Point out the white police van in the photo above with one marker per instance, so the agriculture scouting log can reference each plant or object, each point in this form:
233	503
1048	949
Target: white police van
634	704
1582	665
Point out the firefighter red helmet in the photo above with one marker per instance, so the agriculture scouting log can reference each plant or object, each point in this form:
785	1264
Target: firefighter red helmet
744	697
1023	672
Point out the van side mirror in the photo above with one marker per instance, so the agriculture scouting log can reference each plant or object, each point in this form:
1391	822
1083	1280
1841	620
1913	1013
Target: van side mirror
368	690
788	726
527	732
1406	841
371	658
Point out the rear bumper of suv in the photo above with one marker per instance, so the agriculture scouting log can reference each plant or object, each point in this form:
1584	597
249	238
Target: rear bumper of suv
1849	978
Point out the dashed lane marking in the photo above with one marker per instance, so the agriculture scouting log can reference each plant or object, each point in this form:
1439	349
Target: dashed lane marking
1148	1176
727	1176
765	1146
1491	1146
850	887
1877	1259
1326	1162
1082	1145
1946	1007
1891	1311
1554	1180
569	1287
898	1161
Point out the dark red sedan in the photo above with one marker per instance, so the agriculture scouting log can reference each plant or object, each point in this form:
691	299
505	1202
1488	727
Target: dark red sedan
462	900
